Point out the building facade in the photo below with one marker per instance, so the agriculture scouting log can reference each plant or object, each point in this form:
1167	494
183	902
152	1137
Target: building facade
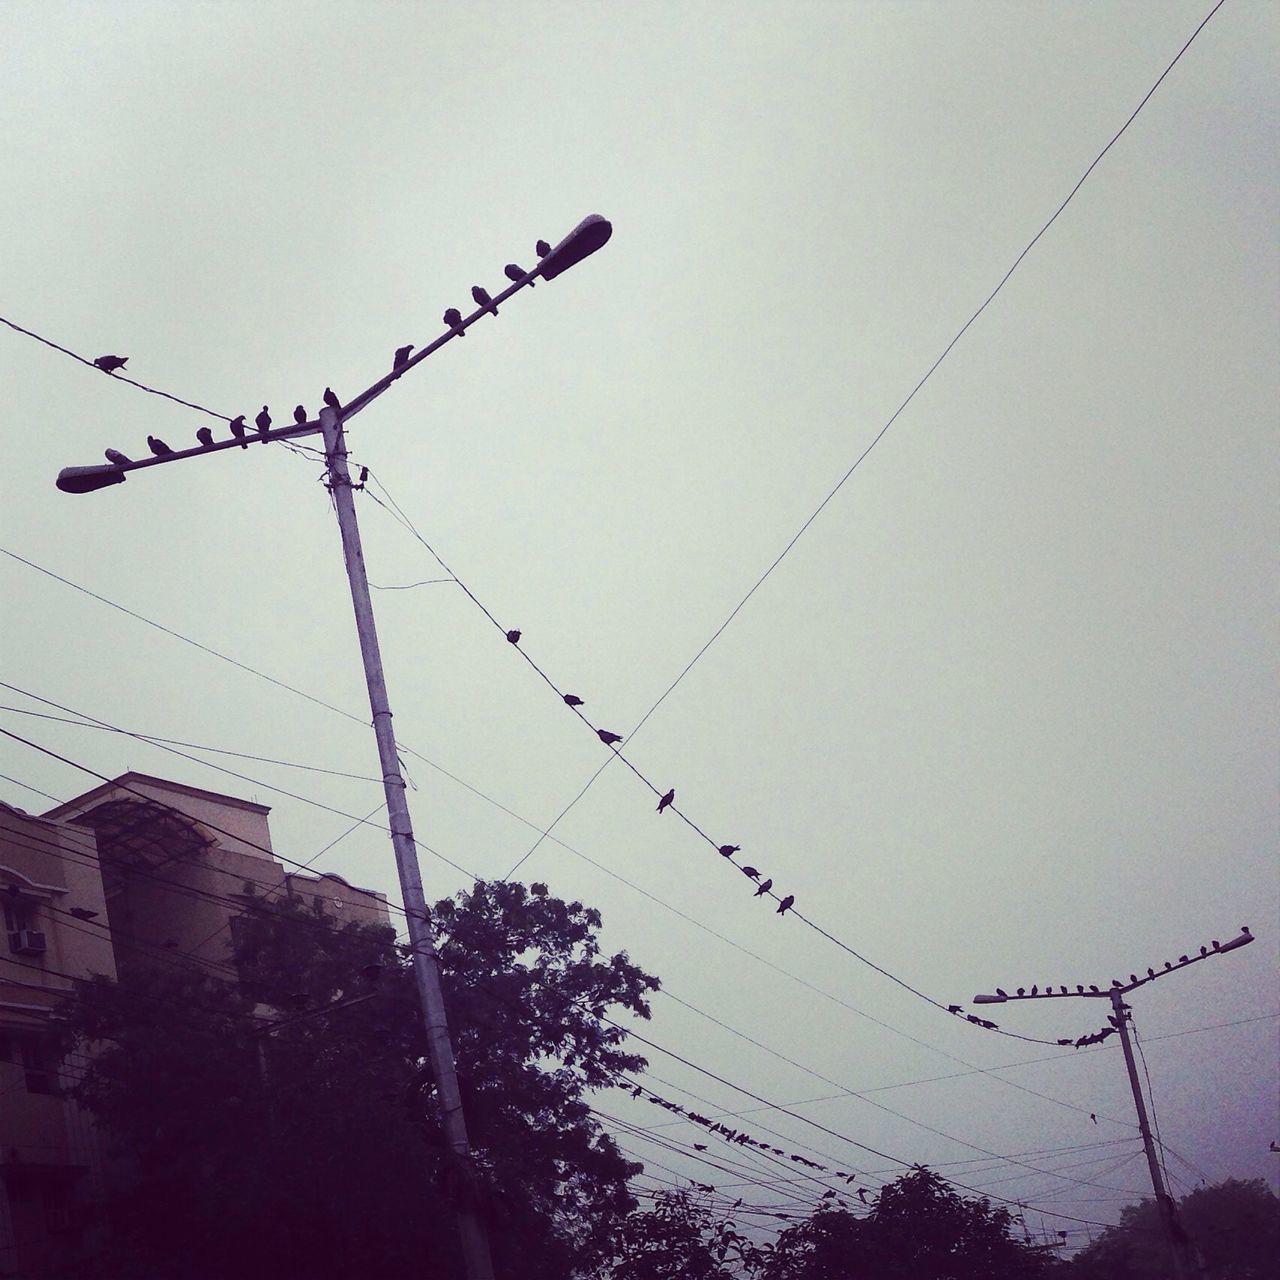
140	871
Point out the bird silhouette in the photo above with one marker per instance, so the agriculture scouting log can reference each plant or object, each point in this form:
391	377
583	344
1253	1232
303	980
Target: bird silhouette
1244	928
786	904
109	364
1001	992
1217	946
1151	973
1022	991
862	1195
1183	960
1064	1042
1115	982
513	636
1034	989
751	872
401	357
483	299
666	800
237	428
158	447
205	436
115	456
330	399
1062	991
765	886
572	700
1204	951
1093	989
263	421
512	272
1079	989
608	738
1133	977
542	248
1167	965
453	318
728	850
954	1008
299	415
1093	1117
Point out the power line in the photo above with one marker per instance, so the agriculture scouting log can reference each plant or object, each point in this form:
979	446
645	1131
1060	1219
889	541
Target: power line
117	376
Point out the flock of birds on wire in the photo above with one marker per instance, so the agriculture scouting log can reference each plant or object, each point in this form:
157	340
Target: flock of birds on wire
239	428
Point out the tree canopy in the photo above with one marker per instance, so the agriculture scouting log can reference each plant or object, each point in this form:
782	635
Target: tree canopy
315	1148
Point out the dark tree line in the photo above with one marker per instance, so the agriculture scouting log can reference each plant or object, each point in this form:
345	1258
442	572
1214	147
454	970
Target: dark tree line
315	1150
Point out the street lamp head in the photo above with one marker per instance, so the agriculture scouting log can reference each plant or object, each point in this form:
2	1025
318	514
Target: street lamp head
588	236
985	999
87	479
1242	941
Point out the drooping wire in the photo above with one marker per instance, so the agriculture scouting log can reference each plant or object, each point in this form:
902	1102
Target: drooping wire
117	377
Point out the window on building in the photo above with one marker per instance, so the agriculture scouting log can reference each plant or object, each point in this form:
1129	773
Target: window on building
40	1064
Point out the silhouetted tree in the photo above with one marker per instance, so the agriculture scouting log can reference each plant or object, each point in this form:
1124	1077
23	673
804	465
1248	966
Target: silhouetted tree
1235	1225
316	1150
918	1227
680	1238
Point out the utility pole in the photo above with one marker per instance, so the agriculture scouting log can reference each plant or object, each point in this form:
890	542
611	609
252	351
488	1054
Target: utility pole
426	966
1181	1249
588	236
1184	1268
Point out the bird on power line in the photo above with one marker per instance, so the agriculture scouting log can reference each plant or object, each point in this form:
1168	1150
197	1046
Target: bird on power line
1217	946
109	364
542	248
1079	989
401	357
954	1008
1115	982
205	436
728	850
1062	991
765	886
1034	989
1183	960
330	399
483	299
237	428
1001	992
1204	951
1151	973
1094	989
608	738
158	447
115	456
786	904
513	636
1244	928
263	421
667	800
1133	977
1064	1042
512	272
572	700
453	318
751	873
1022	991
1167	965
299	415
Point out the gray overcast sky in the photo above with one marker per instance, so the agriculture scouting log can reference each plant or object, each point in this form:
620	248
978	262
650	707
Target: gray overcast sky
1006	714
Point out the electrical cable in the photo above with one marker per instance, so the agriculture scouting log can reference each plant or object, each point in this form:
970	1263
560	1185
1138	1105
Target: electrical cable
117	377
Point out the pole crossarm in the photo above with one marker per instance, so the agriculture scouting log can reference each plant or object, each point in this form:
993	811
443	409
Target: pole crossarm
588	236
1122	988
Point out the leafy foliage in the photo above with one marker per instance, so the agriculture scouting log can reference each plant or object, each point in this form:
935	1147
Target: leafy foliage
1235	1225
316	1149
919	1227
680	1239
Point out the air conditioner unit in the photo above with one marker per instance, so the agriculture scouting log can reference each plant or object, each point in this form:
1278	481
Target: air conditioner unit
27	942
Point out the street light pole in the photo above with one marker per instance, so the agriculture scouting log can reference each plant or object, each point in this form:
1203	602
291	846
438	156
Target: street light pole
1174	1234
426	966
1181	1249
587	237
